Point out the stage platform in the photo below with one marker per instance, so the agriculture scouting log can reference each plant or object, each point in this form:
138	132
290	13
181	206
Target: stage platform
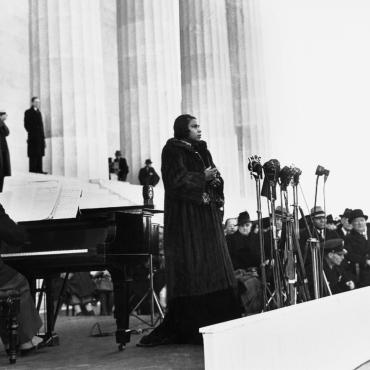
325	334
77	350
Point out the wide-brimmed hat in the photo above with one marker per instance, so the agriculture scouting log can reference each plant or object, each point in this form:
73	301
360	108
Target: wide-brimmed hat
356	213
317	211
148	161
346	213
334	246
118	152
330	219
243	218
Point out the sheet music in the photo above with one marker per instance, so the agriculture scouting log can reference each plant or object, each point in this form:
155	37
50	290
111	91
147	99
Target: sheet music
68	202
34	197
31	202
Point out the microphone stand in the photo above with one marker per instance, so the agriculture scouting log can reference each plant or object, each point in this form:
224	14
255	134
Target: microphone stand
256	172
275	250
291	274
314	246
285	177
303	277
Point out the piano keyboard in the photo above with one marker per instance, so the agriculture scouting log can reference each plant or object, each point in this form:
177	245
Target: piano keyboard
43	253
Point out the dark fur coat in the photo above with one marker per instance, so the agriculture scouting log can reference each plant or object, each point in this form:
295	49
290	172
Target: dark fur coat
197	259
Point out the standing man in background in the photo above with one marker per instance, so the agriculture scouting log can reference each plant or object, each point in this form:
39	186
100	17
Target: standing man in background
147	174
120	166
36	137
4	151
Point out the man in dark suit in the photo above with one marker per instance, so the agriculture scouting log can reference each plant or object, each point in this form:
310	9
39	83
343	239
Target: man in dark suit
318	230
147	174
357	243
339	279
36	137
120	167
344	228
4	151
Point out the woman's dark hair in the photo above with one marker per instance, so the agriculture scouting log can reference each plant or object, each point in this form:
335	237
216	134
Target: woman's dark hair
180	127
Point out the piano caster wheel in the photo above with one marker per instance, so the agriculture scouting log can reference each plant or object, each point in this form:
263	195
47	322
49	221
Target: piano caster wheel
121	347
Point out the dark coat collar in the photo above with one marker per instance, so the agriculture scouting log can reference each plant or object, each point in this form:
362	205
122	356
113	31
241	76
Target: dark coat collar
357	235
184	144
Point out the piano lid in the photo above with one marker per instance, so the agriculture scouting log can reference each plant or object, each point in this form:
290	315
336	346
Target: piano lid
35	197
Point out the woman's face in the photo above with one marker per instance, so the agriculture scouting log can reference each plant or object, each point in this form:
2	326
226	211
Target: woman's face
194	130
246	228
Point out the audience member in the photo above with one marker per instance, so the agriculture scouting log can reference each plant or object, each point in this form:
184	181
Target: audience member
104	289
80	289
318	230
344	228
147	174
4	151
36	136
245	255
357	243
230	226
331	224
120	167
338	278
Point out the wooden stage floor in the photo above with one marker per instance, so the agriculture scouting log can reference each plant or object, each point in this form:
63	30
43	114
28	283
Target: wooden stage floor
78	350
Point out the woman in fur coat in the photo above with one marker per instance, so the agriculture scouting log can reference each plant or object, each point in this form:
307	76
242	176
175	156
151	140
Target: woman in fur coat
200	279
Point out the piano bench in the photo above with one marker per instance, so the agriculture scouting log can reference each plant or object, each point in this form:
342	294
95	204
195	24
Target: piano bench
9	309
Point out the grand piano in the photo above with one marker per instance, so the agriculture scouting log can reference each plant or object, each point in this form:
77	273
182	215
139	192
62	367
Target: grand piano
109	235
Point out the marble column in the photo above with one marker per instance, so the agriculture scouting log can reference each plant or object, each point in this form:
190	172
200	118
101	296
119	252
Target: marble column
149	78
206	82
15	77
109	36
67	75
249	102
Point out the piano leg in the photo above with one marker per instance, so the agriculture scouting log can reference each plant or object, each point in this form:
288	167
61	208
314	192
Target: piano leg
122	288
51	338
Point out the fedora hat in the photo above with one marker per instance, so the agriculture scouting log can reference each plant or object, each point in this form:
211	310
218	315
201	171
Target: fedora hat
356	213
346	213
317	211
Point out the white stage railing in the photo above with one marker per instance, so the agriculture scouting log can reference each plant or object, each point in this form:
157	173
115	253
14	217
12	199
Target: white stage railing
329	333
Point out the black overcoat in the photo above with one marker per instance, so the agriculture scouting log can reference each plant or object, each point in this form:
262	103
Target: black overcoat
337	277
197	259
358	252
244	250
4	152
35	129
148	176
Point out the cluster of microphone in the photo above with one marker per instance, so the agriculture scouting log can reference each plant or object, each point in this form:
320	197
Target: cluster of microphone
273	174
